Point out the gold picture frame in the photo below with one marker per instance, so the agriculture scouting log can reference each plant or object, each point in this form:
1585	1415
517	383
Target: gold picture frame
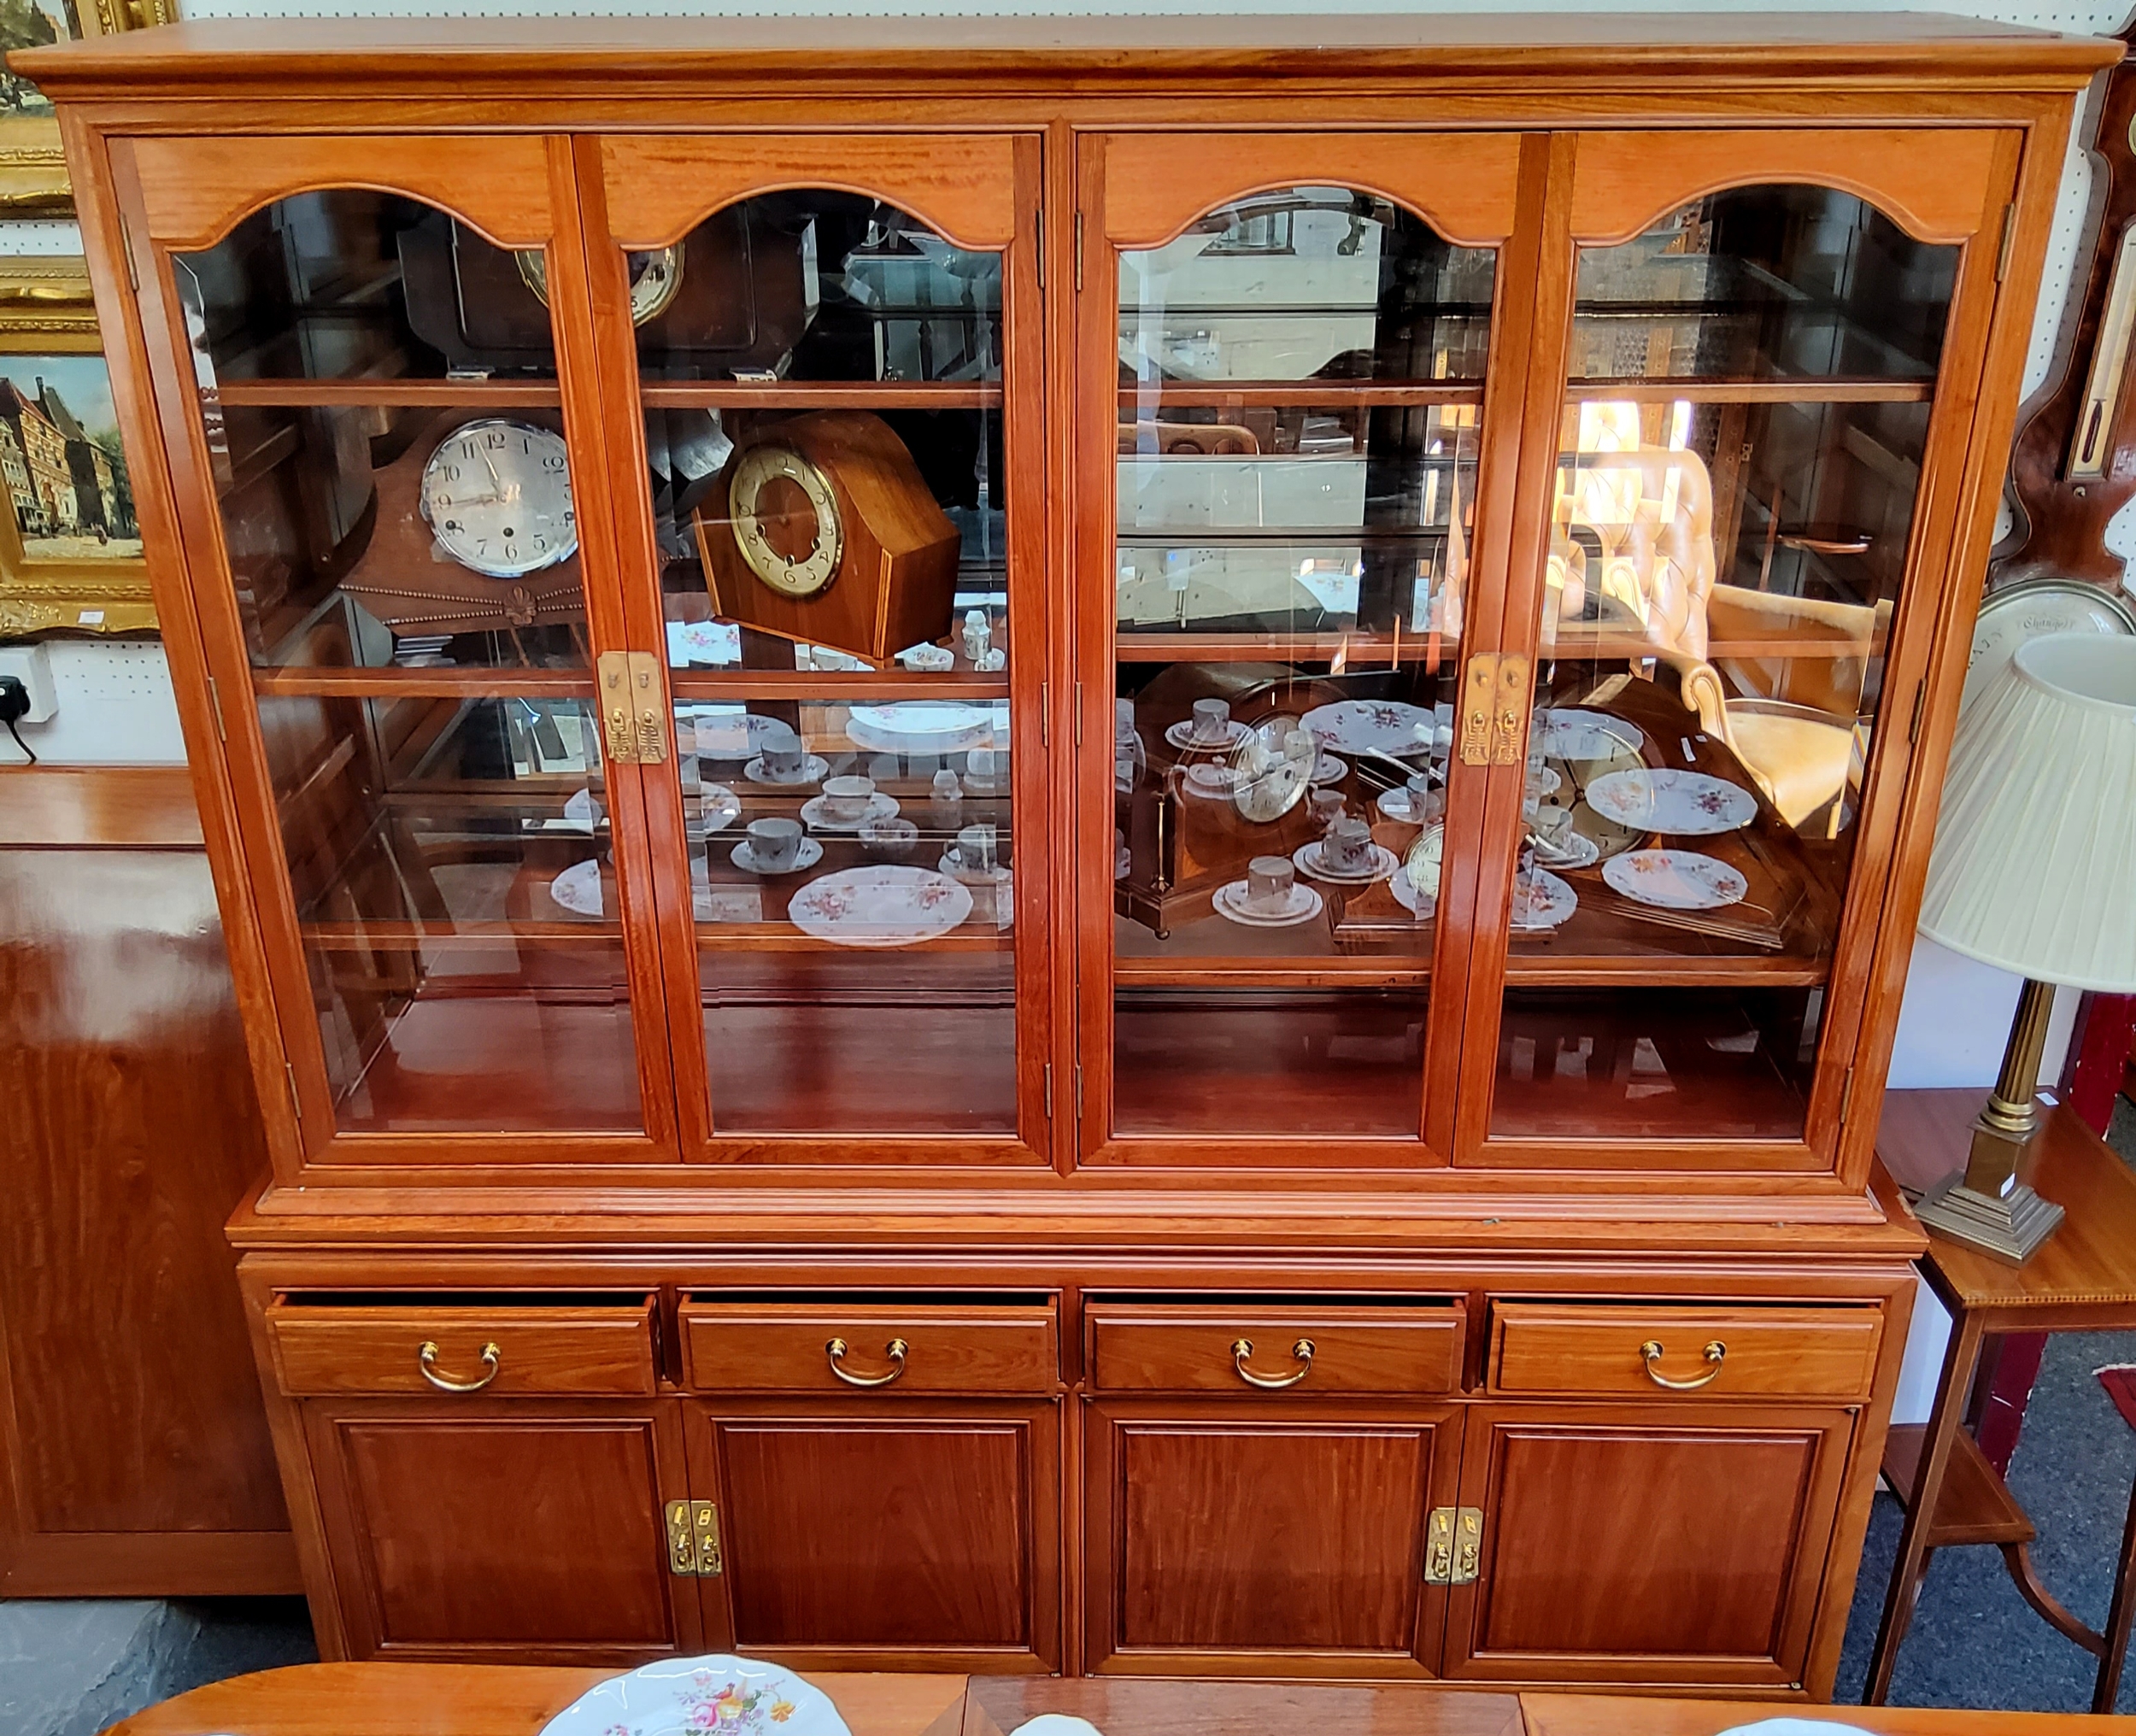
32	166
70	549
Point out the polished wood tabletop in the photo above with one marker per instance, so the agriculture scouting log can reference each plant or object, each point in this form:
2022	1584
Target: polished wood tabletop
451	1699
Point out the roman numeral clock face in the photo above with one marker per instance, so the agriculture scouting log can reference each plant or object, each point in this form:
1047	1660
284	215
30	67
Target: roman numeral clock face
498	496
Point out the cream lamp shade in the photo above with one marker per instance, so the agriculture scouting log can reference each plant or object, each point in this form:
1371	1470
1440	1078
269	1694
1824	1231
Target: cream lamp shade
2034	867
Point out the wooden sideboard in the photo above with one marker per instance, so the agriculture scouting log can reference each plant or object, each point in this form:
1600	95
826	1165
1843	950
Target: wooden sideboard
1288	1091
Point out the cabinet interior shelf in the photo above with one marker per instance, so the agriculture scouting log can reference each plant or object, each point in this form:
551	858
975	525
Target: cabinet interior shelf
1648	389
401	935
1306	394
1554	969
396	683
306	394
816	395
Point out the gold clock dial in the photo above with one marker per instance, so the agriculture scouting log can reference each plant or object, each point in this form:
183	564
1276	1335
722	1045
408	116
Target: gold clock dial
772	487
654	278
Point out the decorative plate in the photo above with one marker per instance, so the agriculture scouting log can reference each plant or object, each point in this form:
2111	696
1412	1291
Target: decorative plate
1396	804
1674	879
1207	778
582	813
884	905
1308	859
1689	804
816	817
1370	726
1182	736
1540	901
698	1696
1328	769
1570	734
744	858
577	888
1543	781
725	733
919	726
702	641
1302	907
723	807
814	768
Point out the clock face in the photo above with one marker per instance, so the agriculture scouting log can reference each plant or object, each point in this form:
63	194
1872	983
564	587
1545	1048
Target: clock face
1423	863
498	496
1272	769
785	519
654	278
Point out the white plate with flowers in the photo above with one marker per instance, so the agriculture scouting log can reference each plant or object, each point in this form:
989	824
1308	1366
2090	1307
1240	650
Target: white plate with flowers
1674	879
1687	804
700	1697
1371	726
884	904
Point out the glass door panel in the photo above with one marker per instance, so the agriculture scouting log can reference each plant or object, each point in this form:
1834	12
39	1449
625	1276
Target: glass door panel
381	427
821	375
1744	432
1300	382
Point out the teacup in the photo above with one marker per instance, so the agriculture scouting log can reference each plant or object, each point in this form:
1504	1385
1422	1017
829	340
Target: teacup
983	767
1269	881
775	843
1424	800
1328	807
1348	845
892	839
976	847
847	799
784	757
1212	722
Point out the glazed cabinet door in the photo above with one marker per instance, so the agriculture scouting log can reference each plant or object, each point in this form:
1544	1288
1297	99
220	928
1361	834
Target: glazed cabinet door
823	366
1299	370
888	1481
371	375
1659	1542
1742	494
479	1530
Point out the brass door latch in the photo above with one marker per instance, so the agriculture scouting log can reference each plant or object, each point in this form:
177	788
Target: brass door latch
1493	708
1453	1546
693	1540
634	723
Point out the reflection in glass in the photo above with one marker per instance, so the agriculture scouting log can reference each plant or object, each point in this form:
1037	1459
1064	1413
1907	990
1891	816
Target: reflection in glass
1290	565
1741	453
455	888
374	516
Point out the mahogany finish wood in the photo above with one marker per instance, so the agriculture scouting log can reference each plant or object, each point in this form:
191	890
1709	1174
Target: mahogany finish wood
1549	1348
320	1351
1595	1715
134	1457
1071	1439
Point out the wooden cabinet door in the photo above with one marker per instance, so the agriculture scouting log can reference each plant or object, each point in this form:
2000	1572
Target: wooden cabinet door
885	1533
504	1530
1622	1546
1239	1538
1749	505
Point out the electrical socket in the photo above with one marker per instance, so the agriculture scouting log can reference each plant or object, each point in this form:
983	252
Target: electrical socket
32	664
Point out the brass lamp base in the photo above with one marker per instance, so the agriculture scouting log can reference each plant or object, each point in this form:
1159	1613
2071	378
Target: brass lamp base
2011	1228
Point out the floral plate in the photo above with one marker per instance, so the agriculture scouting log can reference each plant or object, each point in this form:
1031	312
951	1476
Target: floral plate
1368	726
1688	804
1674	879
1568	733
883	906
700	1696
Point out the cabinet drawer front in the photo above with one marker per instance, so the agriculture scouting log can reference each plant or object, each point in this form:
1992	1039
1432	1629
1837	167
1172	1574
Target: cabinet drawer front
1548	1347
498	1353
823	1347
1199	1349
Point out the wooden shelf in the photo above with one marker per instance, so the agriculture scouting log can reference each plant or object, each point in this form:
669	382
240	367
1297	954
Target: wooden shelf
834	686
1305	395
1647	389
816	395
396	683
301	394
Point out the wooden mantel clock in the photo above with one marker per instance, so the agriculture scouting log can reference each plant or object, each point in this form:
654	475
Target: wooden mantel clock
1159	1142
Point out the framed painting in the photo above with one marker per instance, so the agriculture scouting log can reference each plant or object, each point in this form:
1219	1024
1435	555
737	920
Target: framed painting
70	547
32	167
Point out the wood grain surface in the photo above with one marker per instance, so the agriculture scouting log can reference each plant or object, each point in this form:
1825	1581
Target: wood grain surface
555	1349
1555	1347
1180	1347
784	1347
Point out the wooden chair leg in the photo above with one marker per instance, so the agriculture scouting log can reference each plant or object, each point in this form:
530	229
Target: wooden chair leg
2114	1646
2017	1558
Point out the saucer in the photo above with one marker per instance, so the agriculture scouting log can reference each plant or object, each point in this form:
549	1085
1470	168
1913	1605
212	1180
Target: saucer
1307	857
1328	769
1674	879
1688	804
1568	733
1212	781
815	815
582	813
1230	902
1395	804
813	768
1540	901
1182	736
743	857
1412	897
736	1696
956	870
723	807
577	888
881	906
1574	850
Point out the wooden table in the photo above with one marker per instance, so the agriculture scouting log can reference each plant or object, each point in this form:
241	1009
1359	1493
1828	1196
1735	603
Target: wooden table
452	1699
2083	1279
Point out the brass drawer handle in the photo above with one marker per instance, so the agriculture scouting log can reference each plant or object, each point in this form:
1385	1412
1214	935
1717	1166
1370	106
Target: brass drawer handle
1242	1348
1650	1353
427	1360
895	1350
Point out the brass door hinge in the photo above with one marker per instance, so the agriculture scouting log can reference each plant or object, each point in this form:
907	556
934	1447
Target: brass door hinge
1453	1546
1493	708
693	1540
634	721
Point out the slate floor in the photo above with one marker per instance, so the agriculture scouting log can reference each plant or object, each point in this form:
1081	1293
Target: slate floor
70	1669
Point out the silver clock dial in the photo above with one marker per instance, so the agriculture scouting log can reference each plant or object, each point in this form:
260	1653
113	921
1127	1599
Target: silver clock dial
497	494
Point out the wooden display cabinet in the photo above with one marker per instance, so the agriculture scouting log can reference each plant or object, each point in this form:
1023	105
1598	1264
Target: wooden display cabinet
1539	517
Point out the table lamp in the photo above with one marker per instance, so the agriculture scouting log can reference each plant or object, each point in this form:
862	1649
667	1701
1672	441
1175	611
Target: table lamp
2034	872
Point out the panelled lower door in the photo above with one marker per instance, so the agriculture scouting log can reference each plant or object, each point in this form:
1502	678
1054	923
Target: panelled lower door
1300	362
821	362
371	372
1740	485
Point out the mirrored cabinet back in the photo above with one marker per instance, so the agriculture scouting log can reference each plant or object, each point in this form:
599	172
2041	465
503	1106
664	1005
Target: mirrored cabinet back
1074	845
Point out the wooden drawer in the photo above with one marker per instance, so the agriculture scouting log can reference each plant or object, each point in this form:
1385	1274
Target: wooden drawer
413	1349
1195	1347
833	1347
1573	1348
